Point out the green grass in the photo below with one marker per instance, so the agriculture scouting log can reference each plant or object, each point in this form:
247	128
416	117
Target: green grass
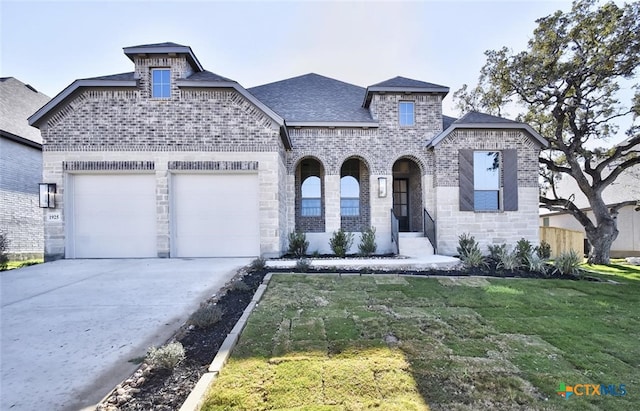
405	343
617	270
11	265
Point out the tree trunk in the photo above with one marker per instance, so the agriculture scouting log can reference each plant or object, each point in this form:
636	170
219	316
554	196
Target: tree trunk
601	239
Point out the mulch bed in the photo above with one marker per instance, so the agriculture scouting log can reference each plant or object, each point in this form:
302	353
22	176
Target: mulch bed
164	390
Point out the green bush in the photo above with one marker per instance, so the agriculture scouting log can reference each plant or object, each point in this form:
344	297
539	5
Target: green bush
544	250
568	263
239	286
207	315
298	243
303	265
166	357
524	248
4	246
469	252
368	244
258	264
509	261
466	244
341	242
497	251
536	263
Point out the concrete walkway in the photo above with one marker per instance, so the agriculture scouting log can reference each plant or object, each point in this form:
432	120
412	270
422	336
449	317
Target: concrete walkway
408	263
68	328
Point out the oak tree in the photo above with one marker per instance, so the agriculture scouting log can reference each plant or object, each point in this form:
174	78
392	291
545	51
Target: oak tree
569	84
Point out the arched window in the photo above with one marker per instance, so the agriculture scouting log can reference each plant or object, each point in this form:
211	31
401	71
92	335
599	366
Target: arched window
349	196
311	199
350	188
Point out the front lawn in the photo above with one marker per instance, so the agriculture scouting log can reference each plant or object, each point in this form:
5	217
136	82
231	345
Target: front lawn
323	342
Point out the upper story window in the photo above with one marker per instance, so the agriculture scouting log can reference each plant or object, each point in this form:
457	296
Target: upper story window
160	83
486	180
406	113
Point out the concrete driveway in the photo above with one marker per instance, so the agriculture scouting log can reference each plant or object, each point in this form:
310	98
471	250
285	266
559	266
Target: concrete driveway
69	327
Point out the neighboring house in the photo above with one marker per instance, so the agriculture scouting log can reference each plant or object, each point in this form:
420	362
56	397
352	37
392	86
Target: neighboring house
625	188
20	169
172	160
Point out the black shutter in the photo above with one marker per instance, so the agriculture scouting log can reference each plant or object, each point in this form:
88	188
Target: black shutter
510	192
465	179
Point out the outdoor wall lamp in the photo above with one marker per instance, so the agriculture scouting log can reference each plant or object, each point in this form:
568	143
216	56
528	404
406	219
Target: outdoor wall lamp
382	186
47	195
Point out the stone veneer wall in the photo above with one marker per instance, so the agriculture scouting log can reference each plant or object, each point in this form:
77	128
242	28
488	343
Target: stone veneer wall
107	125
487	227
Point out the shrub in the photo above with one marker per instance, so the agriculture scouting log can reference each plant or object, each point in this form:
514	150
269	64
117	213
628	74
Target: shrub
341	242
298	243
206	316
523	249
544	250
258	264
474	258
535	263
240	286
166	357
509	261
469	252
368	244
4	246
303	265
466	243
497	251
567	263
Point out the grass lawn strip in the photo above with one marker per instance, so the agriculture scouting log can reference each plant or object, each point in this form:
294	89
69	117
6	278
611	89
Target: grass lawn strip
326	342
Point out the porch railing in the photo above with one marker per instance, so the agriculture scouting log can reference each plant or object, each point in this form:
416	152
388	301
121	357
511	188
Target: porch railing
430	229
395	229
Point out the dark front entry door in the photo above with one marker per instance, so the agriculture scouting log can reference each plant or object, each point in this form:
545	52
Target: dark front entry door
401	202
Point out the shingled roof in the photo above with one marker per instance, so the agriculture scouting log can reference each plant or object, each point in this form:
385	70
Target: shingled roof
477	120
312	98
17	102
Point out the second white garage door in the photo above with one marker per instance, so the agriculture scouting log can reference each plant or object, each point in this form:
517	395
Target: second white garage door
215	215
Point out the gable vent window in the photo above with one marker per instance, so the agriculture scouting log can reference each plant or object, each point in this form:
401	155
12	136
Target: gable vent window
488	180
406	111
160	83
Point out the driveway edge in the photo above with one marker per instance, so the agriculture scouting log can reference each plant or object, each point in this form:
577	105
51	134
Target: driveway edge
197	396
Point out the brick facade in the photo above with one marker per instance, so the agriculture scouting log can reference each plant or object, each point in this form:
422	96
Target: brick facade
487	227
221	130
20	216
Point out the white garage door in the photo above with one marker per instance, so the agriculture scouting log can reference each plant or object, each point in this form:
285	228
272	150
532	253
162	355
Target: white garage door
114	216
215	215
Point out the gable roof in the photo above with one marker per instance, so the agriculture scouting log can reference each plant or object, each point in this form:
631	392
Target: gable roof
477	120
405	85
312	99
164	48
17	102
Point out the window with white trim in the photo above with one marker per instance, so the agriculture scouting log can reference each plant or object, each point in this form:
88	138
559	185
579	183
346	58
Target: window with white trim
406	113
160	83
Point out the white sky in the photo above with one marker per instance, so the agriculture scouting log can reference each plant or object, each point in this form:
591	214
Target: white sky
49	44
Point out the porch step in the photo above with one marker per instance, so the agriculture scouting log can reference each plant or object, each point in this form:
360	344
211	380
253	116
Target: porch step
414	246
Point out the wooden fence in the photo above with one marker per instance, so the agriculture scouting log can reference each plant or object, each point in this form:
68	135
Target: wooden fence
562	240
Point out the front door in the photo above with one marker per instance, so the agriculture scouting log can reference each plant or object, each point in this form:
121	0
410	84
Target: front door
401	202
